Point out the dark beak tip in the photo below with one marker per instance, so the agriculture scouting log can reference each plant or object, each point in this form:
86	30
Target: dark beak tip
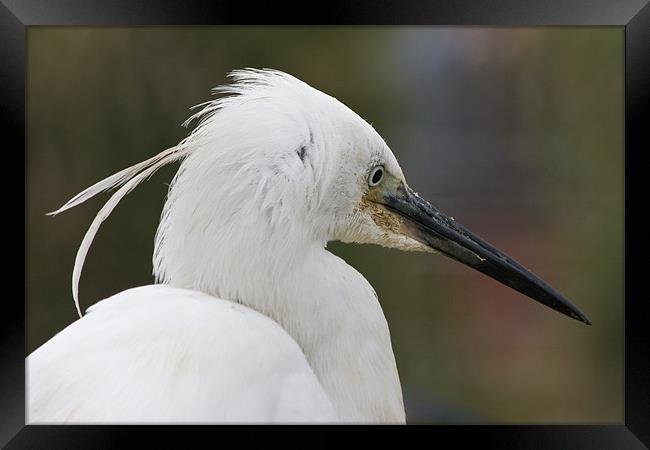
580	316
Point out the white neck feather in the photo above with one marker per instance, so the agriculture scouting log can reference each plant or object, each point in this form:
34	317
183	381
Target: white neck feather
208	241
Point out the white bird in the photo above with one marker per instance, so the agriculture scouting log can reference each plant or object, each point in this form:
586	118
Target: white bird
252	319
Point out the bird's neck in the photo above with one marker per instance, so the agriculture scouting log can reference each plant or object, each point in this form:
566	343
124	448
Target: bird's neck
334	315
324	304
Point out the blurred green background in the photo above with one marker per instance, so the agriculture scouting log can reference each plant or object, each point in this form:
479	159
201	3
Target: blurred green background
517	133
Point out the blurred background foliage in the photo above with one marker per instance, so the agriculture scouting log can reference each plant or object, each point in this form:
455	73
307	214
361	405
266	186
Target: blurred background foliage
517	133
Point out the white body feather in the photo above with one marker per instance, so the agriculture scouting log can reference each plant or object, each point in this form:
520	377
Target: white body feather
257	321
134	358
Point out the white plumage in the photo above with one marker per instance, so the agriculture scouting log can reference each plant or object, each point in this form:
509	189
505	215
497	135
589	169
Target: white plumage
160	354
253	320
270	175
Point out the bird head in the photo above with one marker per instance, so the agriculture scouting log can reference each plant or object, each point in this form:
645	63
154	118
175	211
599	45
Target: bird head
278	163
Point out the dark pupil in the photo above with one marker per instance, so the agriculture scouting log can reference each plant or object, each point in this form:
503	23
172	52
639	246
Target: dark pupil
376	177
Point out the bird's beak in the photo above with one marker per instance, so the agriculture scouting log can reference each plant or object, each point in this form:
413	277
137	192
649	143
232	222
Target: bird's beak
427	225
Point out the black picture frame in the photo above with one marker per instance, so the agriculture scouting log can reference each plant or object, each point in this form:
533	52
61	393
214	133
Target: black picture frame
633	15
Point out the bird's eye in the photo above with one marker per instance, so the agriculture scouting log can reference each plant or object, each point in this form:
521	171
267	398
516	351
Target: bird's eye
376	175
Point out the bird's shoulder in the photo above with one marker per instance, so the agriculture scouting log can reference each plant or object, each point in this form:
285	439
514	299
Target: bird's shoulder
164	306
188	317
212	360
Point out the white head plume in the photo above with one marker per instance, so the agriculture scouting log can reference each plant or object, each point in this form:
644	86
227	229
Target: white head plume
274	141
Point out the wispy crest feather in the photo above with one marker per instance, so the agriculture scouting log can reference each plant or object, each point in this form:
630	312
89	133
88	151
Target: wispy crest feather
127	179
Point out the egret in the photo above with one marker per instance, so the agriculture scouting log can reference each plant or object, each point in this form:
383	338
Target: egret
250	318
